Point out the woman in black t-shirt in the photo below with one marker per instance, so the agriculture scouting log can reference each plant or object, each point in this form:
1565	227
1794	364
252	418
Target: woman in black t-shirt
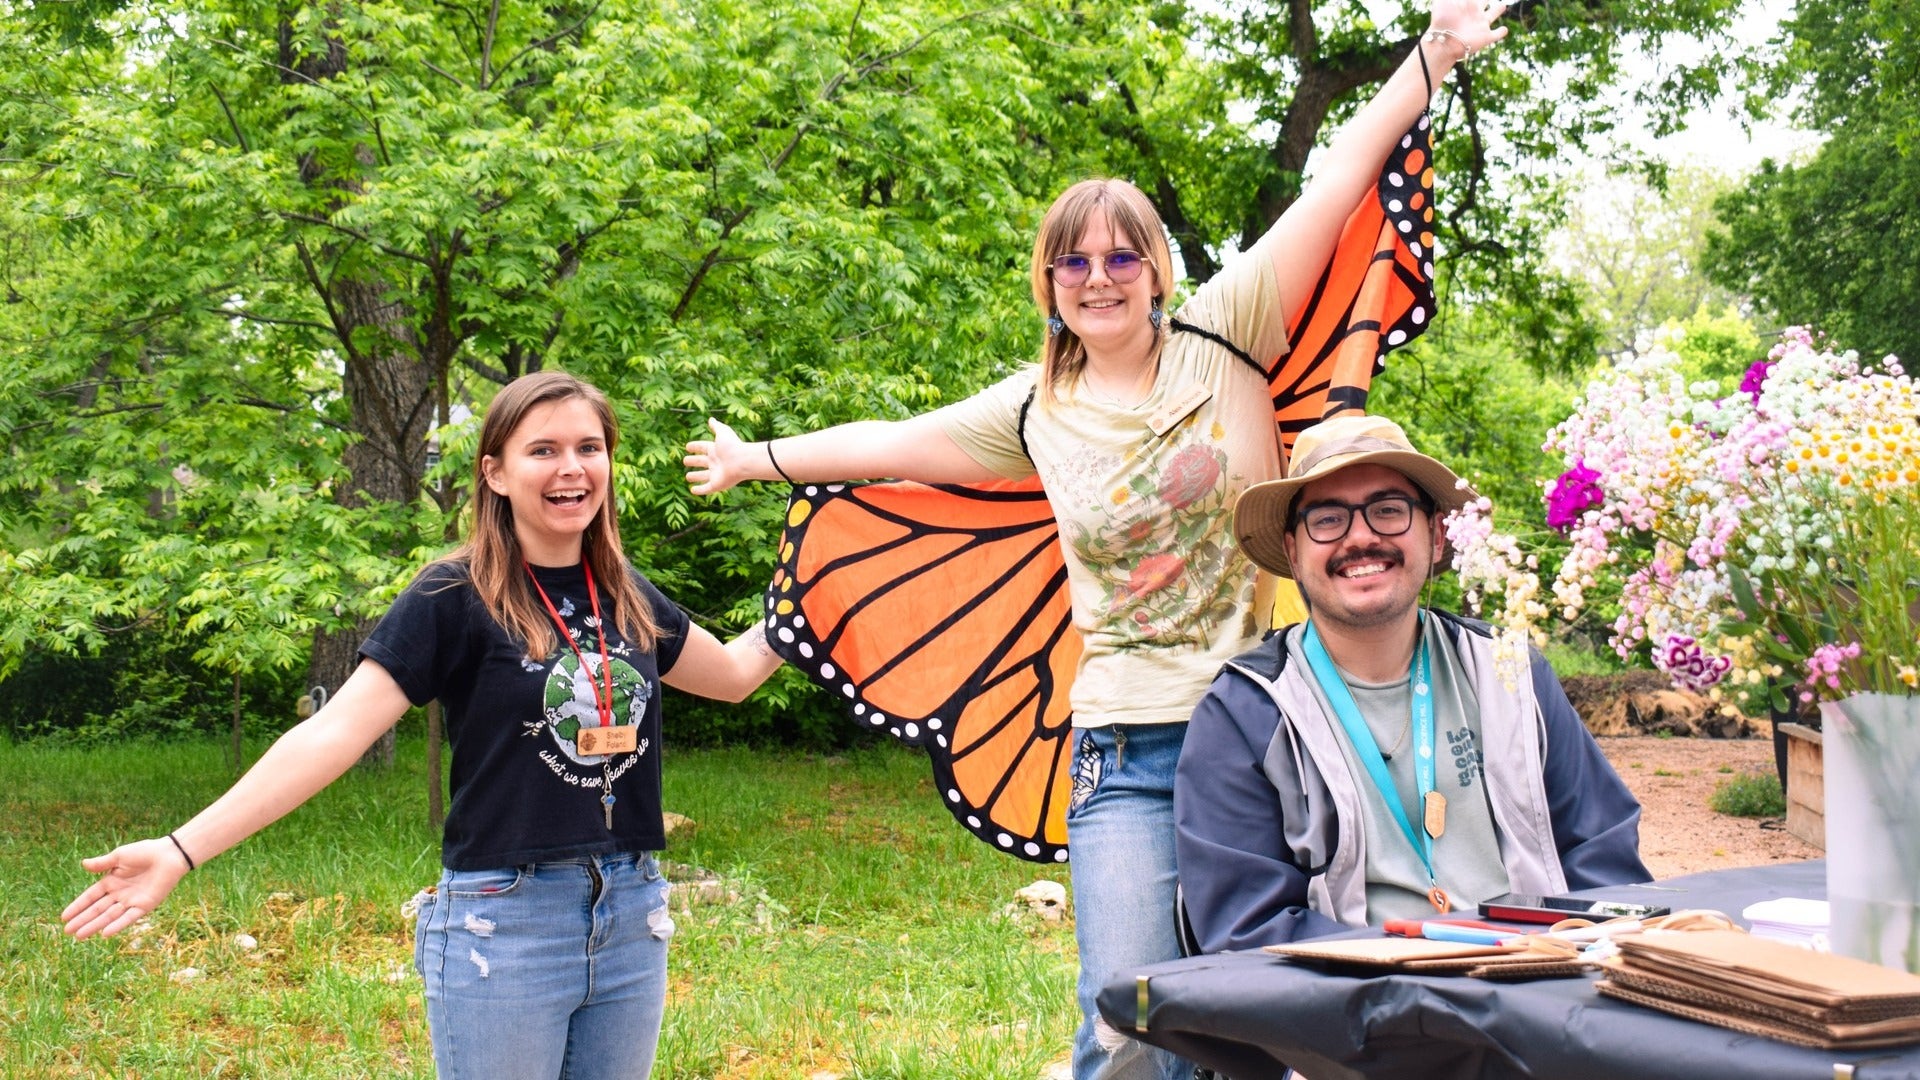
544	946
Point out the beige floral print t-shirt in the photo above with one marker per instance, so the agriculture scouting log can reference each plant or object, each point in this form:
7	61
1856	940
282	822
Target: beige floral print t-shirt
1162	595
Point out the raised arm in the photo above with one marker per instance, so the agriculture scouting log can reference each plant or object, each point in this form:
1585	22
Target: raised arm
136	877
913	449
1302	241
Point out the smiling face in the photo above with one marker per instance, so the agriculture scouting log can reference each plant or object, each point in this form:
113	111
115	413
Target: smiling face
1107	315
1362	580
554	471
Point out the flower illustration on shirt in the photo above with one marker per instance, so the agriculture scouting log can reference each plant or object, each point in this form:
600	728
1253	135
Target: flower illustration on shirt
1191	475
1162	551
1155	572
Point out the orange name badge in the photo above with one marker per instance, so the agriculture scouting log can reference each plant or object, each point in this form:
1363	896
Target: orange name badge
596	741
1179	407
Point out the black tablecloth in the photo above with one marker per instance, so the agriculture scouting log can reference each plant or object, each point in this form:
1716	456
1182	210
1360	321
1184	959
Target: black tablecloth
1244	1014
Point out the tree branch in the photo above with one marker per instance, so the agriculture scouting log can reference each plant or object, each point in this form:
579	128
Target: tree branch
269	320
475	365
830	92
486	45
344	230
1321	84
1193	248
231	121
549	42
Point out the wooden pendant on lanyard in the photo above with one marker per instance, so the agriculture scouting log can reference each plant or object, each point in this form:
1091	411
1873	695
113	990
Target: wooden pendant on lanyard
607	739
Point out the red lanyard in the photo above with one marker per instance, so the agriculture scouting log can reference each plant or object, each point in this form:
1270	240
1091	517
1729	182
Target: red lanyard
599	626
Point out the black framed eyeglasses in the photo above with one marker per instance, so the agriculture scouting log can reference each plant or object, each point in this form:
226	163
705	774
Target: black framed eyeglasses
1388	515
1072	269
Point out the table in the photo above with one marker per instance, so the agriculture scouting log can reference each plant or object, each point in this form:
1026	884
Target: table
1244	1014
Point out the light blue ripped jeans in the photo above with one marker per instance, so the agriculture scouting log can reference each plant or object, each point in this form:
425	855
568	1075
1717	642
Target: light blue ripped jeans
1120	830
556	969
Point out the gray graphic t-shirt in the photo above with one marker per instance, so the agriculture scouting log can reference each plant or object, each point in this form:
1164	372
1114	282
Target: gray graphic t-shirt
1466	856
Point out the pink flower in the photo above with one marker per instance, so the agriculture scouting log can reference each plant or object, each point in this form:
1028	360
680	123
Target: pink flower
1823	667
1189	476
1154	573
1689	665
1569	497
1755	378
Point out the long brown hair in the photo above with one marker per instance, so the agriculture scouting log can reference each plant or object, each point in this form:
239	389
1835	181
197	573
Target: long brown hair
1129	212
492	552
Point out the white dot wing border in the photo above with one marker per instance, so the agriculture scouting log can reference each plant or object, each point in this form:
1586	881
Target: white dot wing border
972	717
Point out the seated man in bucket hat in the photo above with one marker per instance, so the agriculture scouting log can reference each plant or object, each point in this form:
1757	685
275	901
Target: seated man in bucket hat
1371	763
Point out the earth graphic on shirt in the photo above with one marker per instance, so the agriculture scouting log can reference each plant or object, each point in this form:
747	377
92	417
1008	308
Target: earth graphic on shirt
569	703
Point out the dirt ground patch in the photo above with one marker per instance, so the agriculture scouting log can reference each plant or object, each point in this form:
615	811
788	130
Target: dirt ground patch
1679	832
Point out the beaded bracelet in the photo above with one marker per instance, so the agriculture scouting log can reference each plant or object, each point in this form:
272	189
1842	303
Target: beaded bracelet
1438	34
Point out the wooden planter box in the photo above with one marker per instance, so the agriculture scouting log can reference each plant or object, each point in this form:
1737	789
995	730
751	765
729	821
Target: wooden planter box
1806	786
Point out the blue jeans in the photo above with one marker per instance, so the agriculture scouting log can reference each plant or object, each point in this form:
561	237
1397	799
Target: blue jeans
549	970
1120	830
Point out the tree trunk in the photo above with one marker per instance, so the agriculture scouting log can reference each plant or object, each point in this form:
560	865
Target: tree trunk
390	390
333	658
436	802
390	380
239	745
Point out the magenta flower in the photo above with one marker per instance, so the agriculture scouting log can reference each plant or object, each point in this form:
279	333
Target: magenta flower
1577	489
1689	666
1755	378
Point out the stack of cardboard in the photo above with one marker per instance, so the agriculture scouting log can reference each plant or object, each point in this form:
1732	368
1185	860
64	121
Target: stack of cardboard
1528	957
1769	988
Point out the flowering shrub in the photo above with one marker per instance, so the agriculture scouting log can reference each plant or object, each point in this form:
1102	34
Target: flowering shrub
1765	538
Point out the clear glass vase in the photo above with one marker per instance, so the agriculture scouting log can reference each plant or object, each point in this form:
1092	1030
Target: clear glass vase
1872	780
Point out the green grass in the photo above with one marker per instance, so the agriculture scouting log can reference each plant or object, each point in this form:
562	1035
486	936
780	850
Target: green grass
1755	795
868	941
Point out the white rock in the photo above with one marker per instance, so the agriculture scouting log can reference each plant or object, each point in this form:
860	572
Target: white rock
184	975
1047	899
245	942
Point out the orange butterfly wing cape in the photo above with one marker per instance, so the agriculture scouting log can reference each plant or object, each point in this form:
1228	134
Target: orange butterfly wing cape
939	613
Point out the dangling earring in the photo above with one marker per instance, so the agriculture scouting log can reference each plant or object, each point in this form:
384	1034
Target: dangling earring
1055	323
1156	316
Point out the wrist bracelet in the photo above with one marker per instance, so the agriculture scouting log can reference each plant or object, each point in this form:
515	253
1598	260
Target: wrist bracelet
775	462
182	851
1439	34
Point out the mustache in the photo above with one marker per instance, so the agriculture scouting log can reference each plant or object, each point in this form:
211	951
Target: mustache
1388	555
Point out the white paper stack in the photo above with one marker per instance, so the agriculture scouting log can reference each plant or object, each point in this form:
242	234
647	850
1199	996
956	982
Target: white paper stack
1791	919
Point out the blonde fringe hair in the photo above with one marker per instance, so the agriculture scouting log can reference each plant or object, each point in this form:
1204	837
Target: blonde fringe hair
1129	212
492	554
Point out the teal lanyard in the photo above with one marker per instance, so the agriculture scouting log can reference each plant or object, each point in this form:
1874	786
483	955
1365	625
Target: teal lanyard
1368	750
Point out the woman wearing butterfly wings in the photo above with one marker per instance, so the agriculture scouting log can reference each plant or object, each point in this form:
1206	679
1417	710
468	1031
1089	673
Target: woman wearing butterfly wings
1142	429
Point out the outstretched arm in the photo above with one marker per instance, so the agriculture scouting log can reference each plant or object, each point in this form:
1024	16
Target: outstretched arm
913	449
723	672
135	878
1302	241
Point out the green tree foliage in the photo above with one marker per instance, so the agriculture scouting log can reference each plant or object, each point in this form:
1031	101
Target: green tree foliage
1472	400
1824	242
284	242
1828	243
265	260
1634	249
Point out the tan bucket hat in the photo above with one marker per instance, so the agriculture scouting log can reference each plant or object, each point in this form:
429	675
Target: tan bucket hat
1260	518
